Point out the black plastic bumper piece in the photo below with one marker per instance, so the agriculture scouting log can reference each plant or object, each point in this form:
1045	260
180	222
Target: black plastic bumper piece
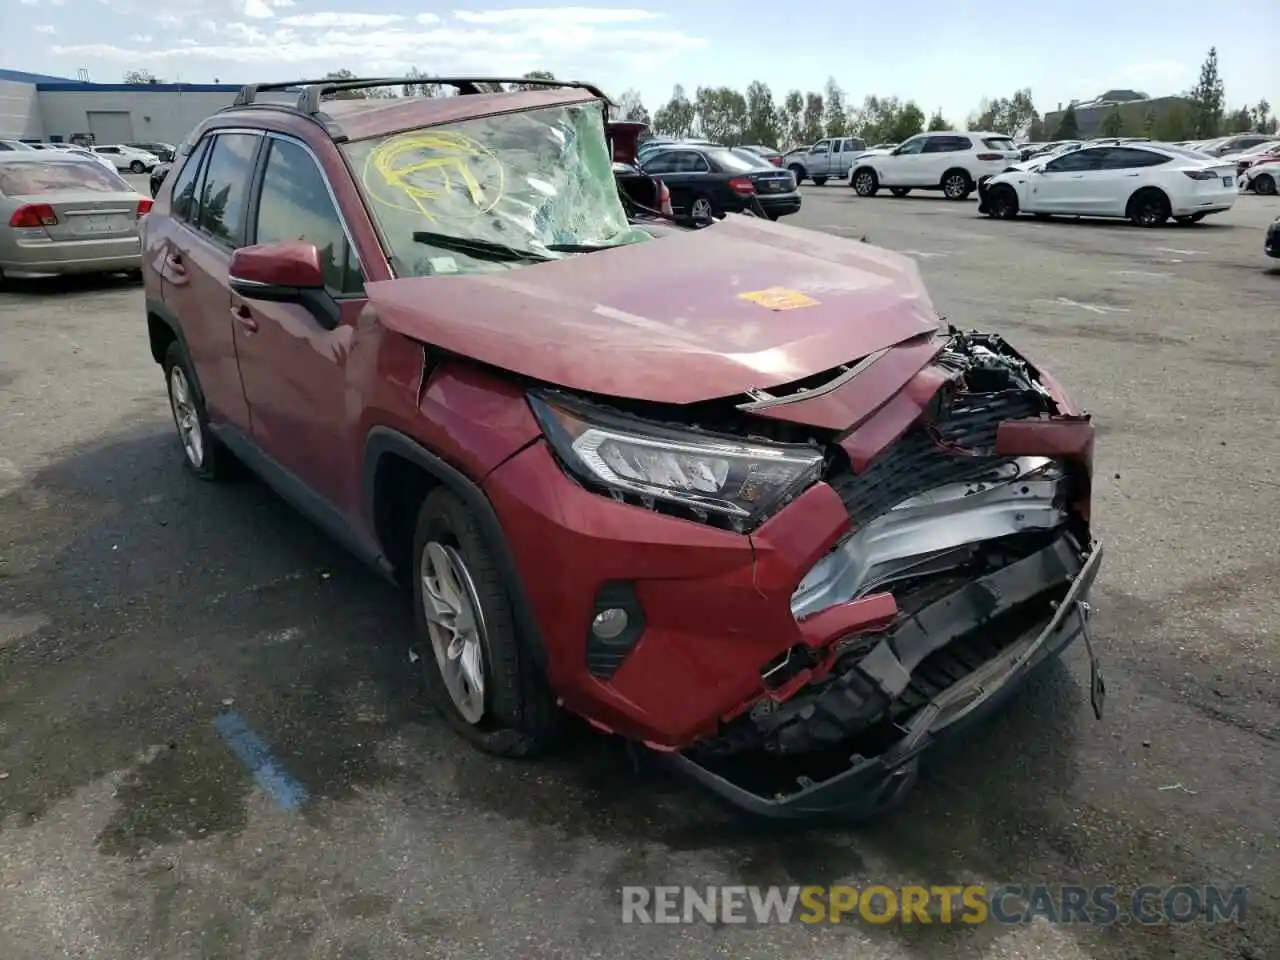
874	784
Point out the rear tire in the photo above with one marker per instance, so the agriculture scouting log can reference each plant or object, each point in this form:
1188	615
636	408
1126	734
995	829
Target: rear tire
819	181
137	167
702	209
511	711
899	191
865	182
956	185
1149	207
203	454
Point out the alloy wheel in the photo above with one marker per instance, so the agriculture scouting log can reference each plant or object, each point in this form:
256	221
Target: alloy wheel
456	626
863	183
701	209
186	416
955	187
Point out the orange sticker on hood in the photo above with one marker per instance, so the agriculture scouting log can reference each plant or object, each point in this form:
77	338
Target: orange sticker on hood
779	298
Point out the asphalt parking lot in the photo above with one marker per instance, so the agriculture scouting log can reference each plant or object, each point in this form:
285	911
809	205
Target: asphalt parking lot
137	605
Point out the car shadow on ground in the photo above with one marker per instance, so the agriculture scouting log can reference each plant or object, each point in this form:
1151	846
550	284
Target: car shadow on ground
86	283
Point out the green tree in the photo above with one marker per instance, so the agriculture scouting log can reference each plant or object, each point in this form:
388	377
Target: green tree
1240	121
1035	132
631	107
420	85
1112	123
1068	126
1263	122
835	117
721	114
814	128
1175	124
534	75
676	117
1011	115
908	122
938	121
762	125
1207	98
792	120
1149	121
139	78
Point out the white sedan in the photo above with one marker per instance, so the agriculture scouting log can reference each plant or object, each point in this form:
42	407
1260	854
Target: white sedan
1262	177
1144	182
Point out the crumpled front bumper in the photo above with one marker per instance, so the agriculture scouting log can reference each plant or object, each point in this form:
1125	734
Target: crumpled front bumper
871	784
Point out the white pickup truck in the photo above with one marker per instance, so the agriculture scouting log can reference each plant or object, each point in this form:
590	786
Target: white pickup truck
828	159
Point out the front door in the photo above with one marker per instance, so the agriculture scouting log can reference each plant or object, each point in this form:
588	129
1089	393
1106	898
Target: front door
1063	184
294	367
902	167
818	162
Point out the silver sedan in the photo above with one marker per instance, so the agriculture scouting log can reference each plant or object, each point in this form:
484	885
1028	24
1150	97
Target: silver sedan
63	215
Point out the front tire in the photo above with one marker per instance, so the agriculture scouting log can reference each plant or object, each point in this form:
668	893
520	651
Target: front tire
819	181
1149	208
865	182
479	675
797	171
1002	202
203	454
1265	185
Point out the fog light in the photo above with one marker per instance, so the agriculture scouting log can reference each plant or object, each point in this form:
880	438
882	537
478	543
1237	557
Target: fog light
610	624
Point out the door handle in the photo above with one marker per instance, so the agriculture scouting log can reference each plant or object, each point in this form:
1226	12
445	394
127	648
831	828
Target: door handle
244	318
175	263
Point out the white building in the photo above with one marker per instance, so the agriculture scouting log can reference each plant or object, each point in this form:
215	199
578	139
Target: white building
38	107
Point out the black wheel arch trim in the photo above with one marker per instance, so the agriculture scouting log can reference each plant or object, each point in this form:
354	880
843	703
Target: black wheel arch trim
381	441
158	309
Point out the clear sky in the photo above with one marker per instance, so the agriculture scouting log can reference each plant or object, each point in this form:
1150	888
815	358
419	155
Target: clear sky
941	53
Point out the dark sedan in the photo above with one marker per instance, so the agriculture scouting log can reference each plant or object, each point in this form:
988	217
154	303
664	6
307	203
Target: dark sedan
158	173
706	181
1272	242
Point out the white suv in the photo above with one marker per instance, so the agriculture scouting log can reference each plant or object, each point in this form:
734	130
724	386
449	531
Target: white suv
128	158
952	162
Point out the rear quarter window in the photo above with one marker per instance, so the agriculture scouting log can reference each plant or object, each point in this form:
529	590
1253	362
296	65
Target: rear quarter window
58	176
998	143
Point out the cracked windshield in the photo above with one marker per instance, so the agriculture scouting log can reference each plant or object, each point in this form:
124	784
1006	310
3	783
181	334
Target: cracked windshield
494	192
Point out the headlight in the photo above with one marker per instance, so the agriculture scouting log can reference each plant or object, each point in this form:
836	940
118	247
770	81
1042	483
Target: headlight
741	483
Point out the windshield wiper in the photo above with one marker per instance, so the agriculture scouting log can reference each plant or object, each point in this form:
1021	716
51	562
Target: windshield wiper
476	247
581	247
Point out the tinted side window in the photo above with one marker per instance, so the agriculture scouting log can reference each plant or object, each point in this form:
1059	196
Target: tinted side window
1124	158
1075	161
295	205
660	162
690	162
186	186
225	193
912	146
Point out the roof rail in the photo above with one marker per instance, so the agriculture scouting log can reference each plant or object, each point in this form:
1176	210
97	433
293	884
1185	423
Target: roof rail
249	92
314	90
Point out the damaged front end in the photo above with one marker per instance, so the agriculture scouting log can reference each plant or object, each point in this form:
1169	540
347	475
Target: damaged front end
971	551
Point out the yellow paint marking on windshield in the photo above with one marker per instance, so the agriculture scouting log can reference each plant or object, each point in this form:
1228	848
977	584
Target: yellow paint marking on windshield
436	174
779	298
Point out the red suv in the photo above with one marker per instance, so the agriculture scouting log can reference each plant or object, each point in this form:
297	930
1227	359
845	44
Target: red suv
734	493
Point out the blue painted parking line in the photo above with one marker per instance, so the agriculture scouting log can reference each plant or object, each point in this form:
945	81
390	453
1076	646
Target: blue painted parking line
254	753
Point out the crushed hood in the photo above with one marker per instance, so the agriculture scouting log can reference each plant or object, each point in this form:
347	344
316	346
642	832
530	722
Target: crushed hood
666	320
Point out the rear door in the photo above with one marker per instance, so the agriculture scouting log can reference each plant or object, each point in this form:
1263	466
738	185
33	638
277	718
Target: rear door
1119	173
940	153
208	215
293	367
817	162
